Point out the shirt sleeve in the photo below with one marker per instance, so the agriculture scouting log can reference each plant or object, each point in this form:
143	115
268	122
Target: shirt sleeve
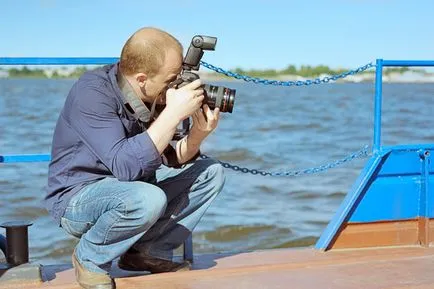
93	115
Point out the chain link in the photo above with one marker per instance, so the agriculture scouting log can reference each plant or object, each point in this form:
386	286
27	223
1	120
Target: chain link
287	83
282	173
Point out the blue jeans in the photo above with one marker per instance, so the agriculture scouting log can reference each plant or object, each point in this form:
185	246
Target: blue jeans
110	216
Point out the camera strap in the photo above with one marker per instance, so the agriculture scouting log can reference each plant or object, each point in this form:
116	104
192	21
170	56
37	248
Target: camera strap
133	103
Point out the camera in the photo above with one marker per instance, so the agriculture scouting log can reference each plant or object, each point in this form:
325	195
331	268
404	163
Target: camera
215	96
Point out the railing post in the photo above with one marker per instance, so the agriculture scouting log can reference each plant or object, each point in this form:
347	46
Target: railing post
424	220
378	103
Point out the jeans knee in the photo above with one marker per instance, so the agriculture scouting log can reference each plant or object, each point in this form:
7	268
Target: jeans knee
146	204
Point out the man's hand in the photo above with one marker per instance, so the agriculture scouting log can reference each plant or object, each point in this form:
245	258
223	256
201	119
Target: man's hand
180	104
184	101
204	121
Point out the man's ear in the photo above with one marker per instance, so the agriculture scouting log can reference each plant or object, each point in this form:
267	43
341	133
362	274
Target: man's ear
141	79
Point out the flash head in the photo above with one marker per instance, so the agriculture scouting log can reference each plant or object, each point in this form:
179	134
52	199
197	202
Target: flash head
198	44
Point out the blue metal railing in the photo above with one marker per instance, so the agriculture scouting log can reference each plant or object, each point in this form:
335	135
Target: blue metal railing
380	63
25	158
407	63
57	60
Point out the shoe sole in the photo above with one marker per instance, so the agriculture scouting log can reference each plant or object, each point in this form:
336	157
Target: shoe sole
186	266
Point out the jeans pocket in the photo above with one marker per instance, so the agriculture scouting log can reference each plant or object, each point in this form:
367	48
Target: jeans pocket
76	229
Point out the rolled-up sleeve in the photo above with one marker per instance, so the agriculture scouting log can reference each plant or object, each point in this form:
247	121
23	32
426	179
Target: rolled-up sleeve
93	115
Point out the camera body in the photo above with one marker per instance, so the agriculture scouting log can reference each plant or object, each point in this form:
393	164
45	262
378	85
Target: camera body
215	96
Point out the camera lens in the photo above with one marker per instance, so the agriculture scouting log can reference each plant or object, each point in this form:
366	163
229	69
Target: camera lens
219	96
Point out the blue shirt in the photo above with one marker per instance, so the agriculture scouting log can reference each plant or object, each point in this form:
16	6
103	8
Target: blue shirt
96	137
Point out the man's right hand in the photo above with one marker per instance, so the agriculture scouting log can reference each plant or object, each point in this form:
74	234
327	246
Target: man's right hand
184	101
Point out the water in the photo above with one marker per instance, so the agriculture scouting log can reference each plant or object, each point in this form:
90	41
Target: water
271	128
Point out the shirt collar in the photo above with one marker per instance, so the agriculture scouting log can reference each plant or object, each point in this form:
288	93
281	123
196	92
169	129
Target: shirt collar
131	102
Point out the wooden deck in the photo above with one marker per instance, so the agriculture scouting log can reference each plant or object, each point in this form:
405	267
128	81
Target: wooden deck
409	267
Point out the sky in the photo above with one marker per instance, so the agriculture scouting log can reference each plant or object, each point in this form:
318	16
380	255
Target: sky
254	34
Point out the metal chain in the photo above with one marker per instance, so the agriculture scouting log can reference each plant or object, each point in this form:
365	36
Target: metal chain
282	173
287	83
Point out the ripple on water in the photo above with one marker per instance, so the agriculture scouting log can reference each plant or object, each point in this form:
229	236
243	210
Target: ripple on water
240	154
236	232
266	189
298	242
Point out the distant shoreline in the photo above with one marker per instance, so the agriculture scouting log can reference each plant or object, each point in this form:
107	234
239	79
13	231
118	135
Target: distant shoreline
409	76
406	77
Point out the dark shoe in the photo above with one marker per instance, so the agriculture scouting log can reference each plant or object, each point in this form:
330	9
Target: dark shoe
136	261
91	280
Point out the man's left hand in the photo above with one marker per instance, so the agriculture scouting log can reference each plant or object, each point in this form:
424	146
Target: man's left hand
205	121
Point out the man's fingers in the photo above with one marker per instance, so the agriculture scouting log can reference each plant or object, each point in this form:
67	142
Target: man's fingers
200	118
199	92
193	85
217	113
199	98
194	116
212	116
208	112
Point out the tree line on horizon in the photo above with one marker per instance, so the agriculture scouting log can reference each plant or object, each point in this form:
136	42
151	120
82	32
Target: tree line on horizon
313	71
303	70
42	73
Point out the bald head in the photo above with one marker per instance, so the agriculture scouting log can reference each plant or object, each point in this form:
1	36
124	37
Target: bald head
145	51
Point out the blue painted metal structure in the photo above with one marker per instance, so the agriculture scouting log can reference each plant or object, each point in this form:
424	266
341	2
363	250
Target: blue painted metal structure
395	183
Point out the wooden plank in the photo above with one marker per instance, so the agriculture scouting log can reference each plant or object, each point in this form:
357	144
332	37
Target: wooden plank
379	234
387	268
